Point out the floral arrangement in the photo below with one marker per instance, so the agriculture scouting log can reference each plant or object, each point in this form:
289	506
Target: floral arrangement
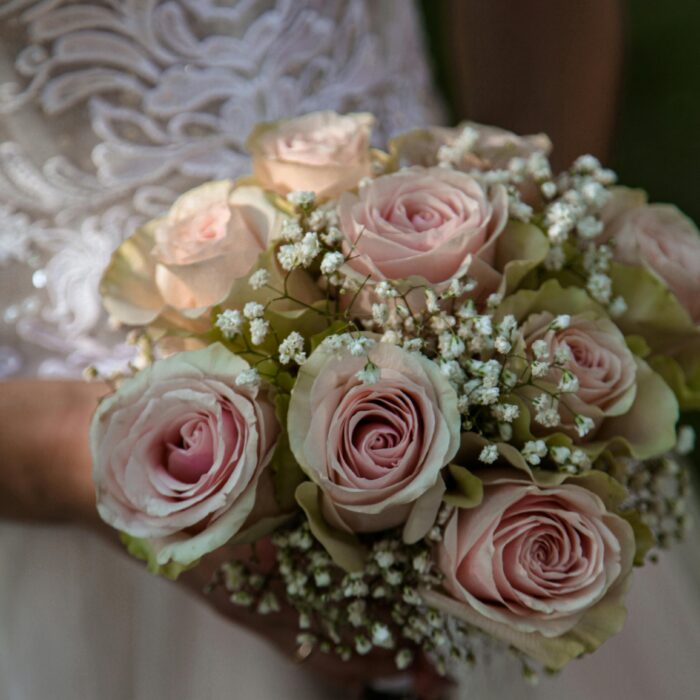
441	379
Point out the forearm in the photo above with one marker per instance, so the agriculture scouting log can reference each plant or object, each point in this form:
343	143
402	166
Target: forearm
44	452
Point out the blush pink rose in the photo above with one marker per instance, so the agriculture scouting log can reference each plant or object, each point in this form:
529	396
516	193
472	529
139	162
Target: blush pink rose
427	223
181	264
376	451
321	152
660	237
492	147
598	358
531	559
178	452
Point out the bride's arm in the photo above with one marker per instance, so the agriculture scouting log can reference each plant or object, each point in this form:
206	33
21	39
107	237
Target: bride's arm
45	466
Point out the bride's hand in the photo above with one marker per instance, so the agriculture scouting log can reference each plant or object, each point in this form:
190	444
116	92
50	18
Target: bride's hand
281	629
45	465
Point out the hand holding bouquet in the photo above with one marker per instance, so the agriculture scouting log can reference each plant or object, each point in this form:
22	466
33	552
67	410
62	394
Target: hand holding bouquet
442	379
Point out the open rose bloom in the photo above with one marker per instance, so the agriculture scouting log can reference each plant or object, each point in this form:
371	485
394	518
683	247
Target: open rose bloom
443	380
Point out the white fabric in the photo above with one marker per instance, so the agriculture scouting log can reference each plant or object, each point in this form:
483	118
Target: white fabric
108	109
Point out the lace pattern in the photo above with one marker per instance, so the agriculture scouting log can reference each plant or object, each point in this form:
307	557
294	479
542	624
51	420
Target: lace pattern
109	109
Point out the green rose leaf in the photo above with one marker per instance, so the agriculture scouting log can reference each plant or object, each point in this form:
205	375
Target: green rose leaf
344	548
465	490
142	549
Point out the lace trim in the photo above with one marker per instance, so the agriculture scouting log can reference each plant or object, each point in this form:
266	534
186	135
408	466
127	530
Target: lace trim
138	100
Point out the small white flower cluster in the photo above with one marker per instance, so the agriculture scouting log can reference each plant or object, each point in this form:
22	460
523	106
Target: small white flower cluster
567	459
292	349
346	613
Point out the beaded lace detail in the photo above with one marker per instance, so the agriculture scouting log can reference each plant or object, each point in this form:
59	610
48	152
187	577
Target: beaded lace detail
109	109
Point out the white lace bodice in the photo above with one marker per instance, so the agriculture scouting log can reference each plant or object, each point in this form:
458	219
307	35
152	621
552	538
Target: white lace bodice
111	108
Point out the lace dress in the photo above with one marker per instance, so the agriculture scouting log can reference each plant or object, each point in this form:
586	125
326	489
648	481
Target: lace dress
108	110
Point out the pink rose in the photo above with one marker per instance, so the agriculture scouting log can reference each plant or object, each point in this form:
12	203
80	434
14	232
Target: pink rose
179	450
376	450
188	260
491	147
531	559
424	222
660	237
599	360
321	152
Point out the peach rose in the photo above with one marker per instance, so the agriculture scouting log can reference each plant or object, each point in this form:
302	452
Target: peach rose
424	222
599	359
660	237
537	560
376	451
321	152
178	452
189	259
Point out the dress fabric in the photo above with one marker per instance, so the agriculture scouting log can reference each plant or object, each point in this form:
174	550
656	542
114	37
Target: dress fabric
108	110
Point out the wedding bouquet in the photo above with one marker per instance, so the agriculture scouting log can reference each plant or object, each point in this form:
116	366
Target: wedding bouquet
441	379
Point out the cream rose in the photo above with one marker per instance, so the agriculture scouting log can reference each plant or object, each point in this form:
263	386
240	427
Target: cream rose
178	452
321	152
376	451
188	260
660	237
424	222
531	562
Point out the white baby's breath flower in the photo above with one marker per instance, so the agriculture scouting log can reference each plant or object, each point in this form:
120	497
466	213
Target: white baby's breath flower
332	262
259	329
431	301
450	346
292	348
534	451
291	230
253	310
489	454
392	337
562	355
599	286
288	256
560	323
332	236
540	349
560	454
617	307
370	374
413	345
539	368
309	248
583	424
568	382
259	279
589	227
248	377
555	258
385	290
380	313
302	198
359	345
229	322
505	412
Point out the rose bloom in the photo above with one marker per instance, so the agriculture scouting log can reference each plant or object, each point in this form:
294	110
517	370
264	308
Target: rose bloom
598	358
189	259
376	451
425	222
493	148
321	152
531	559
178	452
660	237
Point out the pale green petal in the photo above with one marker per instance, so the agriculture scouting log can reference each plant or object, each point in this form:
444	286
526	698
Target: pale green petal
345	550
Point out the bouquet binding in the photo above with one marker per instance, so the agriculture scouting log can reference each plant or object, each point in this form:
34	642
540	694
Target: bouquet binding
443	381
